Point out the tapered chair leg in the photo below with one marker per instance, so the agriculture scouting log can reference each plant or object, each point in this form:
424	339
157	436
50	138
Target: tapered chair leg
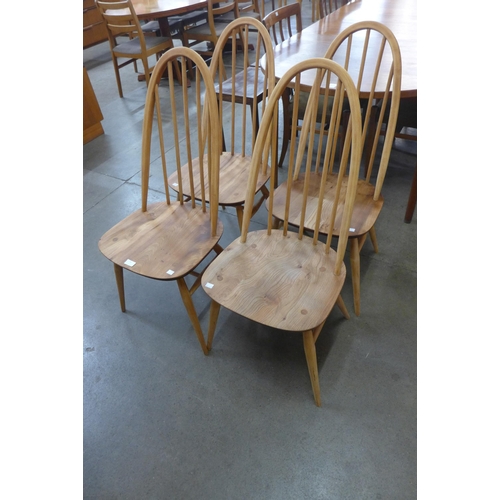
412	199
120	285
312	364
355	273
373	238
188	304
214	315
118	79
340	303
239	213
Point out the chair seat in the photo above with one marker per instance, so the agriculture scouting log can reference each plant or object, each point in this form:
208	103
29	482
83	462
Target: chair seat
165	238
133	47
365	211
233	177
276	281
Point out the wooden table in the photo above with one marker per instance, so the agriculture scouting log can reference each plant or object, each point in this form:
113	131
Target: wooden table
399	15
161	10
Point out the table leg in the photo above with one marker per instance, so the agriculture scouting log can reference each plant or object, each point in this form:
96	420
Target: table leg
412	199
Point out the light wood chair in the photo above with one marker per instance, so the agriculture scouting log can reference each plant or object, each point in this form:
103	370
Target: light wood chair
121	20
168	240
282	278
350	48
241	99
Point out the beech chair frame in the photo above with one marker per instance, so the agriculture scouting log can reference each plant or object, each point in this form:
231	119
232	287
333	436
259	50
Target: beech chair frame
286	279
246	88
369	200
169	240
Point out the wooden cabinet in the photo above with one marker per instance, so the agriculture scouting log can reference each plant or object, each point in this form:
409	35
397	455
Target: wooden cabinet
94	30
92	115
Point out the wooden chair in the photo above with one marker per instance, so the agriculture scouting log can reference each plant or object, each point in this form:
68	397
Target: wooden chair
209	32
350	48
168	240
247	87
244	8
283	23
282	278
407	122
121	20
322	8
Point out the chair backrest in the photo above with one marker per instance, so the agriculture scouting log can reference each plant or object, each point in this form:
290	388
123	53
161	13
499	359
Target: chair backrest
284	22
191	124
246	84
219	8
328	215
121	20
370	52
328	6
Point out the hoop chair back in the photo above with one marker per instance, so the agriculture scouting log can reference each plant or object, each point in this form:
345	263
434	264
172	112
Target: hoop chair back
378	83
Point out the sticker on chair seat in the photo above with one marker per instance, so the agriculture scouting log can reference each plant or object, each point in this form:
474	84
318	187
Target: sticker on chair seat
209	285
170	272
352	229
129	263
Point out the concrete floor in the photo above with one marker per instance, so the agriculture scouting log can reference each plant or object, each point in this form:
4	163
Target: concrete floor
163	421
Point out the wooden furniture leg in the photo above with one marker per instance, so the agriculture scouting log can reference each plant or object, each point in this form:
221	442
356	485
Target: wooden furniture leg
214	315
355	272
412	199
120	285
188	303
312	364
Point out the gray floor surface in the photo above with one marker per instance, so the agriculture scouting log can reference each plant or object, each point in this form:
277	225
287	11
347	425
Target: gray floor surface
163	421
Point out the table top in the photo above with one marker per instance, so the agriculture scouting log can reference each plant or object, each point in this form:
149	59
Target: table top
398	15
156	9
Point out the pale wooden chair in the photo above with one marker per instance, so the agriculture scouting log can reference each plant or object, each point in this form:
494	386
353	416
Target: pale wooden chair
349	49
168	240
121	20
282	278
247	87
